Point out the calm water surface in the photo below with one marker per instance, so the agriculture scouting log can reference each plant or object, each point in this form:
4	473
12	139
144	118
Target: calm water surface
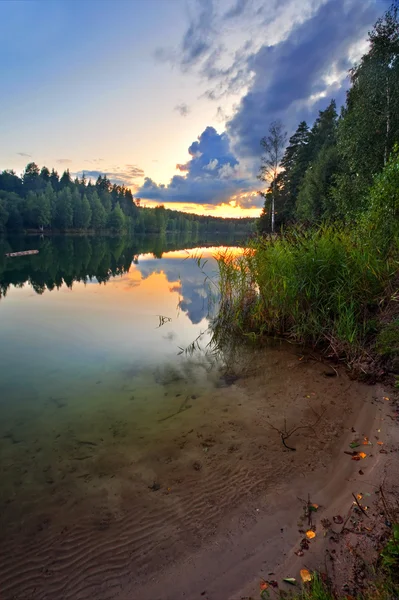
87	367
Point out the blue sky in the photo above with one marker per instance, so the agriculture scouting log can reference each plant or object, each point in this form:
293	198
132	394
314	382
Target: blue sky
170	96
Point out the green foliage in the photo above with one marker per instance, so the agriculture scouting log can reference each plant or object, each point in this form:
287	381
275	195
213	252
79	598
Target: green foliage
382	216
116	219
315	200
310	287
390	554
387	342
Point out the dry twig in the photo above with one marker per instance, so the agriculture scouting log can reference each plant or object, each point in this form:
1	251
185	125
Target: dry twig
287	433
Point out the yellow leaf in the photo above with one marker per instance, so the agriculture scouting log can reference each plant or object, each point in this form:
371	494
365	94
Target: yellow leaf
362	454
305	575
310	534
359	496
380	443
386	398
315	506
263	585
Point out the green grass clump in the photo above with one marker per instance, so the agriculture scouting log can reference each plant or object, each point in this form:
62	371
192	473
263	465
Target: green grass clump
387	343
320	287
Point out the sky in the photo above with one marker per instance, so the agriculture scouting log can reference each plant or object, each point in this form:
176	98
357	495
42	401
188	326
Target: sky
170	97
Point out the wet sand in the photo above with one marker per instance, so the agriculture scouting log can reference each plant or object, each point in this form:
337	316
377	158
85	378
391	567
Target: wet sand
201	501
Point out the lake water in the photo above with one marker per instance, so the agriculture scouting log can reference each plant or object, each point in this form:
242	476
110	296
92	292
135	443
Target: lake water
92	365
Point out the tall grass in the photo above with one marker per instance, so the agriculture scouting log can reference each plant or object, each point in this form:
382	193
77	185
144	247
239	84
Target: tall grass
320	287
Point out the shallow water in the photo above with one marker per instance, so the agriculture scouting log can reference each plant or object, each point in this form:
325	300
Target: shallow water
92	333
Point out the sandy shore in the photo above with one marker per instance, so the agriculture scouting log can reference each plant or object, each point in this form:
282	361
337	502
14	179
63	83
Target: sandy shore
210	502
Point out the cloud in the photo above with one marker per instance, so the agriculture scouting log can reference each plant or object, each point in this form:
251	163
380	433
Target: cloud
24	154
183	109
63	161
119	175
237	9
296	77
281	59
199	36
213	175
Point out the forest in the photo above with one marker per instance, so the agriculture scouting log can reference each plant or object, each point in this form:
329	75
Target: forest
327	170
41	200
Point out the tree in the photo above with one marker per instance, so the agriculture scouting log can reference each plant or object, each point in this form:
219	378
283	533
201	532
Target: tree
116	219
273	146
369	126
86	213
98	216
294	162
54	179
64	210
315	199
45	174
31	178
10	182
66	180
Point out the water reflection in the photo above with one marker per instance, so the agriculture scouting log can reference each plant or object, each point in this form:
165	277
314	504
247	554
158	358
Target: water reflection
95	397
65	261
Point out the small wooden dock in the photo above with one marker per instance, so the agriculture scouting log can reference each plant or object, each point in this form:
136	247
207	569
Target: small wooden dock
24	253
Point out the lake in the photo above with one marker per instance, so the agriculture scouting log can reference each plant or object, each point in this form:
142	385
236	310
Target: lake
134	465
94	368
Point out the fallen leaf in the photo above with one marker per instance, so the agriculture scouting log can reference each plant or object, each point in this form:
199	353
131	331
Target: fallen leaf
273	583
354	445
263	585
313	507
299	553
338	520
304	544
310	534
361	472
359	496
380	443
305	575
383	451
290	580
385	398
359	455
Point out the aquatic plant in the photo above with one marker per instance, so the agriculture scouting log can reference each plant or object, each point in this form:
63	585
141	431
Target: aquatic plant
322	287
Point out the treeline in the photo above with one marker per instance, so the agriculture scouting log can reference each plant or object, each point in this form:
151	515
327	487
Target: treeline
326	171
42	200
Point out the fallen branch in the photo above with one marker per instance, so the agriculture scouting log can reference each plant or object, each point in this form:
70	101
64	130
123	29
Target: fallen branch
285	433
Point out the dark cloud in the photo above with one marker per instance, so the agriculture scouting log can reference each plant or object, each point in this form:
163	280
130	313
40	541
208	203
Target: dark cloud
183	109
24	154
237	9
199	36
291	78
212	174
119	175
63	161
